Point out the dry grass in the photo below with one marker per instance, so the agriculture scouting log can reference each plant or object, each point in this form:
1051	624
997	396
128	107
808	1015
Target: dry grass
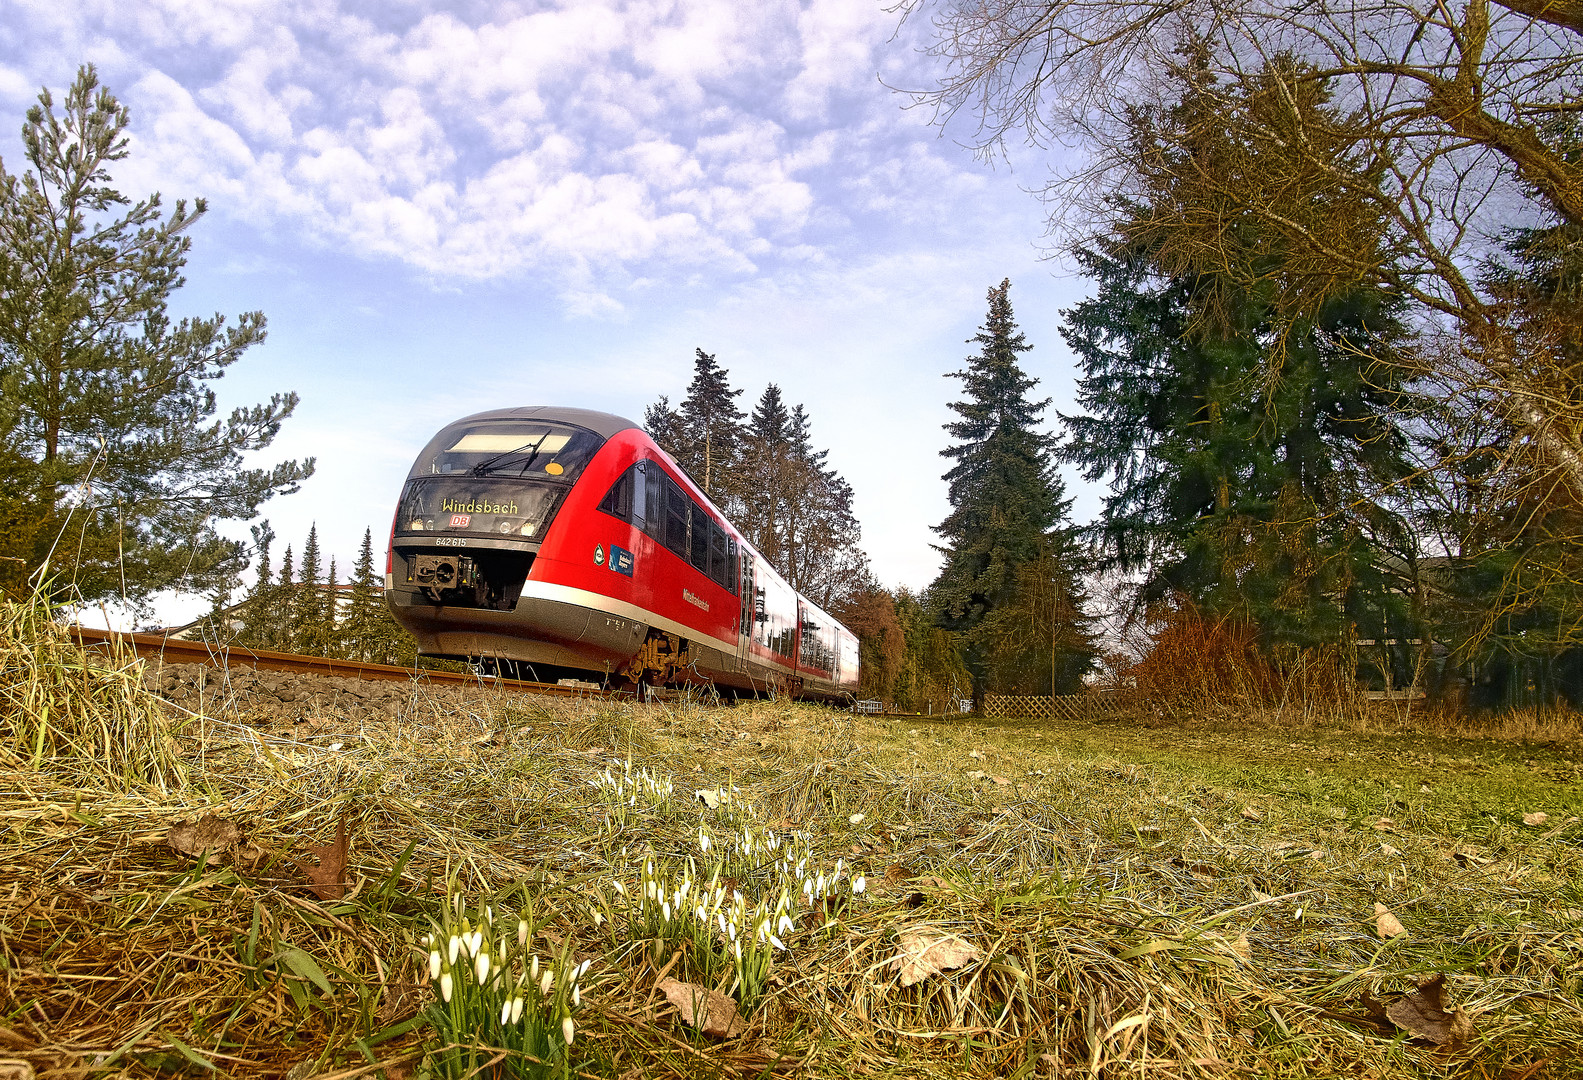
1158	902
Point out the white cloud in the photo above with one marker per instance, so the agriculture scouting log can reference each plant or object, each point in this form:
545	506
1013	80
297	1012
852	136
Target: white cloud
622	139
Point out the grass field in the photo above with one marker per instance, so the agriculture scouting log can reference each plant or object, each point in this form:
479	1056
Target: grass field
1135	897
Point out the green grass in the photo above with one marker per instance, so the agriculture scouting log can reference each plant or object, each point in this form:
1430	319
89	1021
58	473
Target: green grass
1146	898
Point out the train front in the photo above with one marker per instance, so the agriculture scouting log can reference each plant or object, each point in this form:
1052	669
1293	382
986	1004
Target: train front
477	507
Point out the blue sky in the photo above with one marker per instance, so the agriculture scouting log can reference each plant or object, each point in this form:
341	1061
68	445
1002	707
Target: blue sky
444	208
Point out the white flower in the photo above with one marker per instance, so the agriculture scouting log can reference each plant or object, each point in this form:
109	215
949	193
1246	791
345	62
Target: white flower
620	888
721	919
516	1009
505	1012
482	967
455	947
577	995
665	906
475	941
547	982
786	925
599	920
534	970
522	933
445	986
489	914
859	883
568	1029
736	947
703	841
777	942
580	969
434	964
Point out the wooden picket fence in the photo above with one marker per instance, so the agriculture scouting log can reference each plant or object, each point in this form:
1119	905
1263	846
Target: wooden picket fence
1060	707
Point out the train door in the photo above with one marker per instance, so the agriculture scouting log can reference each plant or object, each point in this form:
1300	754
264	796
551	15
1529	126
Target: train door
749	621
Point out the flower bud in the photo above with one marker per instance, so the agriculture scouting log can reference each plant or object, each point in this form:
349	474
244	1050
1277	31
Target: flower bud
516	1009
547	982
534	970
859	883
434	964
568	1029
522	933
505	1012
455	947
445	986
482	967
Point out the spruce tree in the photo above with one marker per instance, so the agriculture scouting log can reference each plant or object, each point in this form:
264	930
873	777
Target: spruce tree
1246	450
1008	510
283	628
307	608
362	617
103	392
709	429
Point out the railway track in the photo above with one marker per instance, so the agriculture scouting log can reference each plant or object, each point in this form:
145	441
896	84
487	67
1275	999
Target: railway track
170	650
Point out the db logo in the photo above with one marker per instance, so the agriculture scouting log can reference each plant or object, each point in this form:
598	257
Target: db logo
459	521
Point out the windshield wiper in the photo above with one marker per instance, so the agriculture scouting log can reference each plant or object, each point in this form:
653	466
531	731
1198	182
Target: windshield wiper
483	467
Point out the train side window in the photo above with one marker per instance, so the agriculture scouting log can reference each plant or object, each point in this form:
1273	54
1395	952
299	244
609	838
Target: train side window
677	505
719	556
699	553
639	495
618	500
654	501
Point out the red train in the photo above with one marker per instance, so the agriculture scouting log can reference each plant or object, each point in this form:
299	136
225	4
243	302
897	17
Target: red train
549	542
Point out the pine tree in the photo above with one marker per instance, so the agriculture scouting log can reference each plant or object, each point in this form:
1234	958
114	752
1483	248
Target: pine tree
663	425
1008	509
103	391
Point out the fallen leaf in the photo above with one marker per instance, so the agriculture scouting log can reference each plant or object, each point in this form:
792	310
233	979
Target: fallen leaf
1388	925
898	872
975	774
1537	818
1385	824
924	953
710	798
1387	849
719	1019
1251	814
327	880
208	833
856	819
1001	780
1423	1013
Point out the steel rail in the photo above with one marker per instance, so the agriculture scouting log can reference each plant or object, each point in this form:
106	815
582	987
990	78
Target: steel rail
172	650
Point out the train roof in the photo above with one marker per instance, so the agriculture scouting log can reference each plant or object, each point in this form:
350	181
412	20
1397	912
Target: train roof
603	424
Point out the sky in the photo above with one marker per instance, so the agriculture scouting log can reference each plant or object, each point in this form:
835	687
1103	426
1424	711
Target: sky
443	208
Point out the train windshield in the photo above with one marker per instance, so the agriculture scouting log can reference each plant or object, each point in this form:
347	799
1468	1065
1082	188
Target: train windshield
467	504
511	448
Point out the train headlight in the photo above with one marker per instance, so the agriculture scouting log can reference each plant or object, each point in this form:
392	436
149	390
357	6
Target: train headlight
528	528
506	527
416	525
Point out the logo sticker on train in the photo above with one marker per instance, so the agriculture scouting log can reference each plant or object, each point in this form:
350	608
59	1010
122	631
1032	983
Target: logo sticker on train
599	554
459	521
621	560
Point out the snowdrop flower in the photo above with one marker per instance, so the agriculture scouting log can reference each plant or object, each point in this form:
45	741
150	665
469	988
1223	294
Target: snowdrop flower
505	1012
568	1029
665	907
446	982
703	841
859	883
786	925
721	919
489	914
577	995
522	933
455	947
533	971
516	1009
777	942
581	969
620	888
482	967
475	941
434	964
547	982
736	947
